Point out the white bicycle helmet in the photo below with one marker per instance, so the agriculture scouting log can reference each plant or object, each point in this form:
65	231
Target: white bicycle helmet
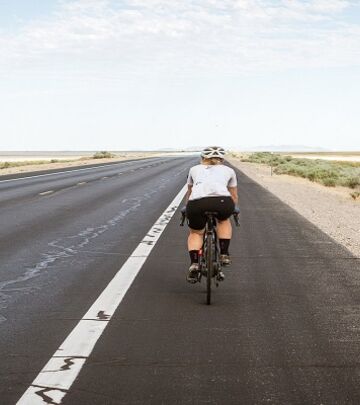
213	152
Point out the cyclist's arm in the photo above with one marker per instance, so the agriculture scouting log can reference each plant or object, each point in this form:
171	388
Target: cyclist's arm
234	194
190	186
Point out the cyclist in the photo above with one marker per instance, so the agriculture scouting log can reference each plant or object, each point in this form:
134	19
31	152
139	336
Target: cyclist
212	186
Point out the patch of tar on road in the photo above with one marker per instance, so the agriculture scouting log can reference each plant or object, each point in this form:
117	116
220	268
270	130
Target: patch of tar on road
148	242
102	316
69	362
43	391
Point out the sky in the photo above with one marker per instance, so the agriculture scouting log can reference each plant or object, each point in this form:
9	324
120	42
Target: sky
149	74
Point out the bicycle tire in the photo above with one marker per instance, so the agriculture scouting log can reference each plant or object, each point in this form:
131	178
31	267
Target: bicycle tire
209	267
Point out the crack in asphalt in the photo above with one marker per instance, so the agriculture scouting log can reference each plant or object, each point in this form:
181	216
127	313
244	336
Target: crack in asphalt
85	236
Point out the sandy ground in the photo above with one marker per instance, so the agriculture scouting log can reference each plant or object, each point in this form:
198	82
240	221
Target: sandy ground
59	165
330	209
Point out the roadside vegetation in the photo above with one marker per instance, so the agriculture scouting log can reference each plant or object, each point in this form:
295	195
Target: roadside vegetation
103	155
6	165
97	155
329	173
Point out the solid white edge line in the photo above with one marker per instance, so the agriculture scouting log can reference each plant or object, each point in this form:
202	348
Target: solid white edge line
55	379
70	171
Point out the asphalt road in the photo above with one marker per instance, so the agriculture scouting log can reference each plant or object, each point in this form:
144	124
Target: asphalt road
283	328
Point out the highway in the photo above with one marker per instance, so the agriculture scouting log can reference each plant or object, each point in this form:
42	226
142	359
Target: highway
95	309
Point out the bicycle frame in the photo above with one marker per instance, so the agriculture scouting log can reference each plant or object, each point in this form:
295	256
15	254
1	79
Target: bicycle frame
209	263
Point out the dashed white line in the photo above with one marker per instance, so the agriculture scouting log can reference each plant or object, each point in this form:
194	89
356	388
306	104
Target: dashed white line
81	183
67	171
46	192
57	376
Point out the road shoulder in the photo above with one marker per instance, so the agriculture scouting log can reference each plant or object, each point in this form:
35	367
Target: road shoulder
331	209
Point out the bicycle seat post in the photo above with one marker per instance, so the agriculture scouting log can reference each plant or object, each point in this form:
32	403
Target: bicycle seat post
211	219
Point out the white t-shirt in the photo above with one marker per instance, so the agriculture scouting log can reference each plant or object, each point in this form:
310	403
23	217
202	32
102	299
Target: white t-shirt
211	181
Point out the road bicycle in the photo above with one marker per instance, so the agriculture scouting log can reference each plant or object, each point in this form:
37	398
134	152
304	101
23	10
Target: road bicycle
209	255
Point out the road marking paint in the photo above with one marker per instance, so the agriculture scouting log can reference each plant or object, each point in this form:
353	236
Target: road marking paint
105	177
55	379
81	183
46	192
70	171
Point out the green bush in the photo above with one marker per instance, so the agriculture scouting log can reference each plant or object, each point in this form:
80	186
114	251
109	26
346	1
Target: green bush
328	182
352	182
103	155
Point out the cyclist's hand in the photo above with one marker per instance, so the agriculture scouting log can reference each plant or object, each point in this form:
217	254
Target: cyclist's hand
237	209
183	215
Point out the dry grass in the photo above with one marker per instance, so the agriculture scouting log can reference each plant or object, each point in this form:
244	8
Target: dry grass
97	155
328	173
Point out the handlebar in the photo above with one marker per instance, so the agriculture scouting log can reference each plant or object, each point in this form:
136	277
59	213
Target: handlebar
236	218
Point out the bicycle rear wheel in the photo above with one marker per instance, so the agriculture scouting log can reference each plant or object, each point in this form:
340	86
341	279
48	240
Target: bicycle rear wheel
209	267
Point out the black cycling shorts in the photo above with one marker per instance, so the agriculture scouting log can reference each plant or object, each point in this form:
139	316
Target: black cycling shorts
195	210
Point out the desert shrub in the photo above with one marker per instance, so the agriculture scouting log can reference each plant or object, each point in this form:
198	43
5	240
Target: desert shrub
329	173
328	182
311	176
355	195
103	155
352	182
54	160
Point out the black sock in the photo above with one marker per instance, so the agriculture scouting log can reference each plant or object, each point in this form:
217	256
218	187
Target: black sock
194	256
224	246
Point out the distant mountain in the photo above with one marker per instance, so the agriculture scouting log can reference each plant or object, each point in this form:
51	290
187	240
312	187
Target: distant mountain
188	149
282	148
261	148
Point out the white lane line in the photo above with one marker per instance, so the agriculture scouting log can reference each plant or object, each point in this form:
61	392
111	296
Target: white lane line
57	376
81	183
67	171
46	192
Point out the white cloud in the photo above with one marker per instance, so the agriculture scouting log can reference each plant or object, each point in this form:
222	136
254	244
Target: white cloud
209	36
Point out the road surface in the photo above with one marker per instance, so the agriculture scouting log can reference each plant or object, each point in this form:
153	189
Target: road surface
283	328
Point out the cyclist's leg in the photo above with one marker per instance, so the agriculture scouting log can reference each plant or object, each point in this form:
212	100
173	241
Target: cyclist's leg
224	229
196	222
195	239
